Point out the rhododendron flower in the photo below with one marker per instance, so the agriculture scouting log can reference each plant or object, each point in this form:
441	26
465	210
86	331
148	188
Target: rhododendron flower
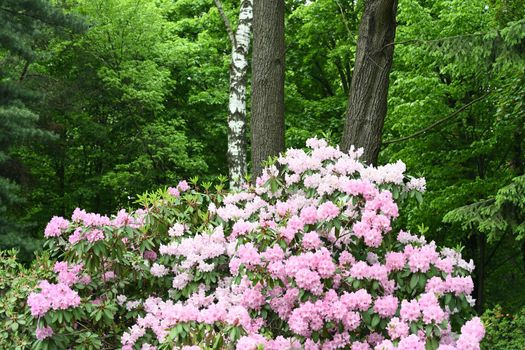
130	305
94	235
150	255
177	230
159	270
56	226
183	186
412	342
327	211
44	332
121	299
397	328
68	274
108	276
311	241
89	219
173	191
76	236
395	261
386	306
410	310
52	297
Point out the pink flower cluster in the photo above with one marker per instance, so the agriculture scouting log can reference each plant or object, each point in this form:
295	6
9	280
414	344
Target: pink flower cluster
256	341
457	285
197	251
89	226
80	216
177	230
161	315
52	297
70	274
125	219
182	186
56	227
158	270
43	332
310	316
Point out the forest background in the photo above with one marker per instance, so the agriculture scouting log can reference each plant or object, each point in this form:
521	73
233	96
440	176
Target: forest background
130	95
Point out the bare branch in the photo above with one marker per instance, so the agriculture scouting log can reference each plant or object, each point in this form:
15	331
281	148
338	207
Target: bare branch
437	123
226	22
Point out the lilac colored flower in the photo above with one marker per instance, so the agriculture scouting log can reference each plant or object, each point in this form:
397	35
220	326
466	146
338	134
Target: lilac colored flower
56	227
44	332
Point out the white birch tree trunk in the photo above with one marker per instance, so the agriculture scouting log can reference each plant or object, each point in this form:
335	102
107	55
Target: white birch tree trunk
237	154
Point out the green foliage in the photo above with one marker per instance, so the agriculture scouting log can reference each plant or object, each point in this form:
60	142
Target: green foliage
495	216
449	54
23	25
139	100
318	80
504	331
16	282
99	321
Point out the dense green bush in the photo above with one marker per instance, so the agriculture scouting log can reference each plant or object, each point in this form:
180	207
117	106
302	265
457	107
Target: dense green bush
504	331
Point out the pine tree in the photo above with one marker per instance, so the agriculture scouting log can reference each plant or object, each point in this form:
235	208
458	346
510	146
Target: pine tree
22	23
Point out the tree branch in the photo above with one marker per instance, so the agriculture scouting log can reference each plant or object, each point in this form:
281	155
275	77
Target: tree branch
437	123
37	18
344	17
24	70
491	255
226	22
421	41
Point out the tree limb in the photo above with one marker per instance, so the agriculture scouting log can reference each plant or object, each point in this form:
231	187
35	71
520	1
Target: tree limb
437	123
37	18
226	22
421	41
493	252
344	18
24	70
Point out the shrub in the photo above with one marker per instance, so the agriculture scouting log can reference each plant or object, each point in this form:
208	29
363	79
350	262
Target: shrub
306	258
16	283
505	331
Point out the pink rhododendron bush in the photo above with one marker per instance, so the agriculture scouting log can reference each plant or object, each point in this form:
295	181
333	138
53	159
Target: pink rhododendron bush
305	259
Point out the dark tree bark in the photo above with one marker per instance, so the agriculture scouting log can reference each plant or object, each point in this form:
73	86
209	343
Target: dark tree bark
367	100
267	120
480	273
518	167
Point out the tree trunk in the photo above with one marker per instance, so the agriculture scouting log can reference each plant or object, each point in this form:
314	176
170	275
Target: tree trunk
480	272
367	102
267	121
518	167
240	40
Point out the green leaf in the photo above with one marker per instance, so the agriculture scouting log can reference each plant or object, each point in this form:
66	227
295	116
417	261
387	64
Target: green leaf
375	320
414	280
431	344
